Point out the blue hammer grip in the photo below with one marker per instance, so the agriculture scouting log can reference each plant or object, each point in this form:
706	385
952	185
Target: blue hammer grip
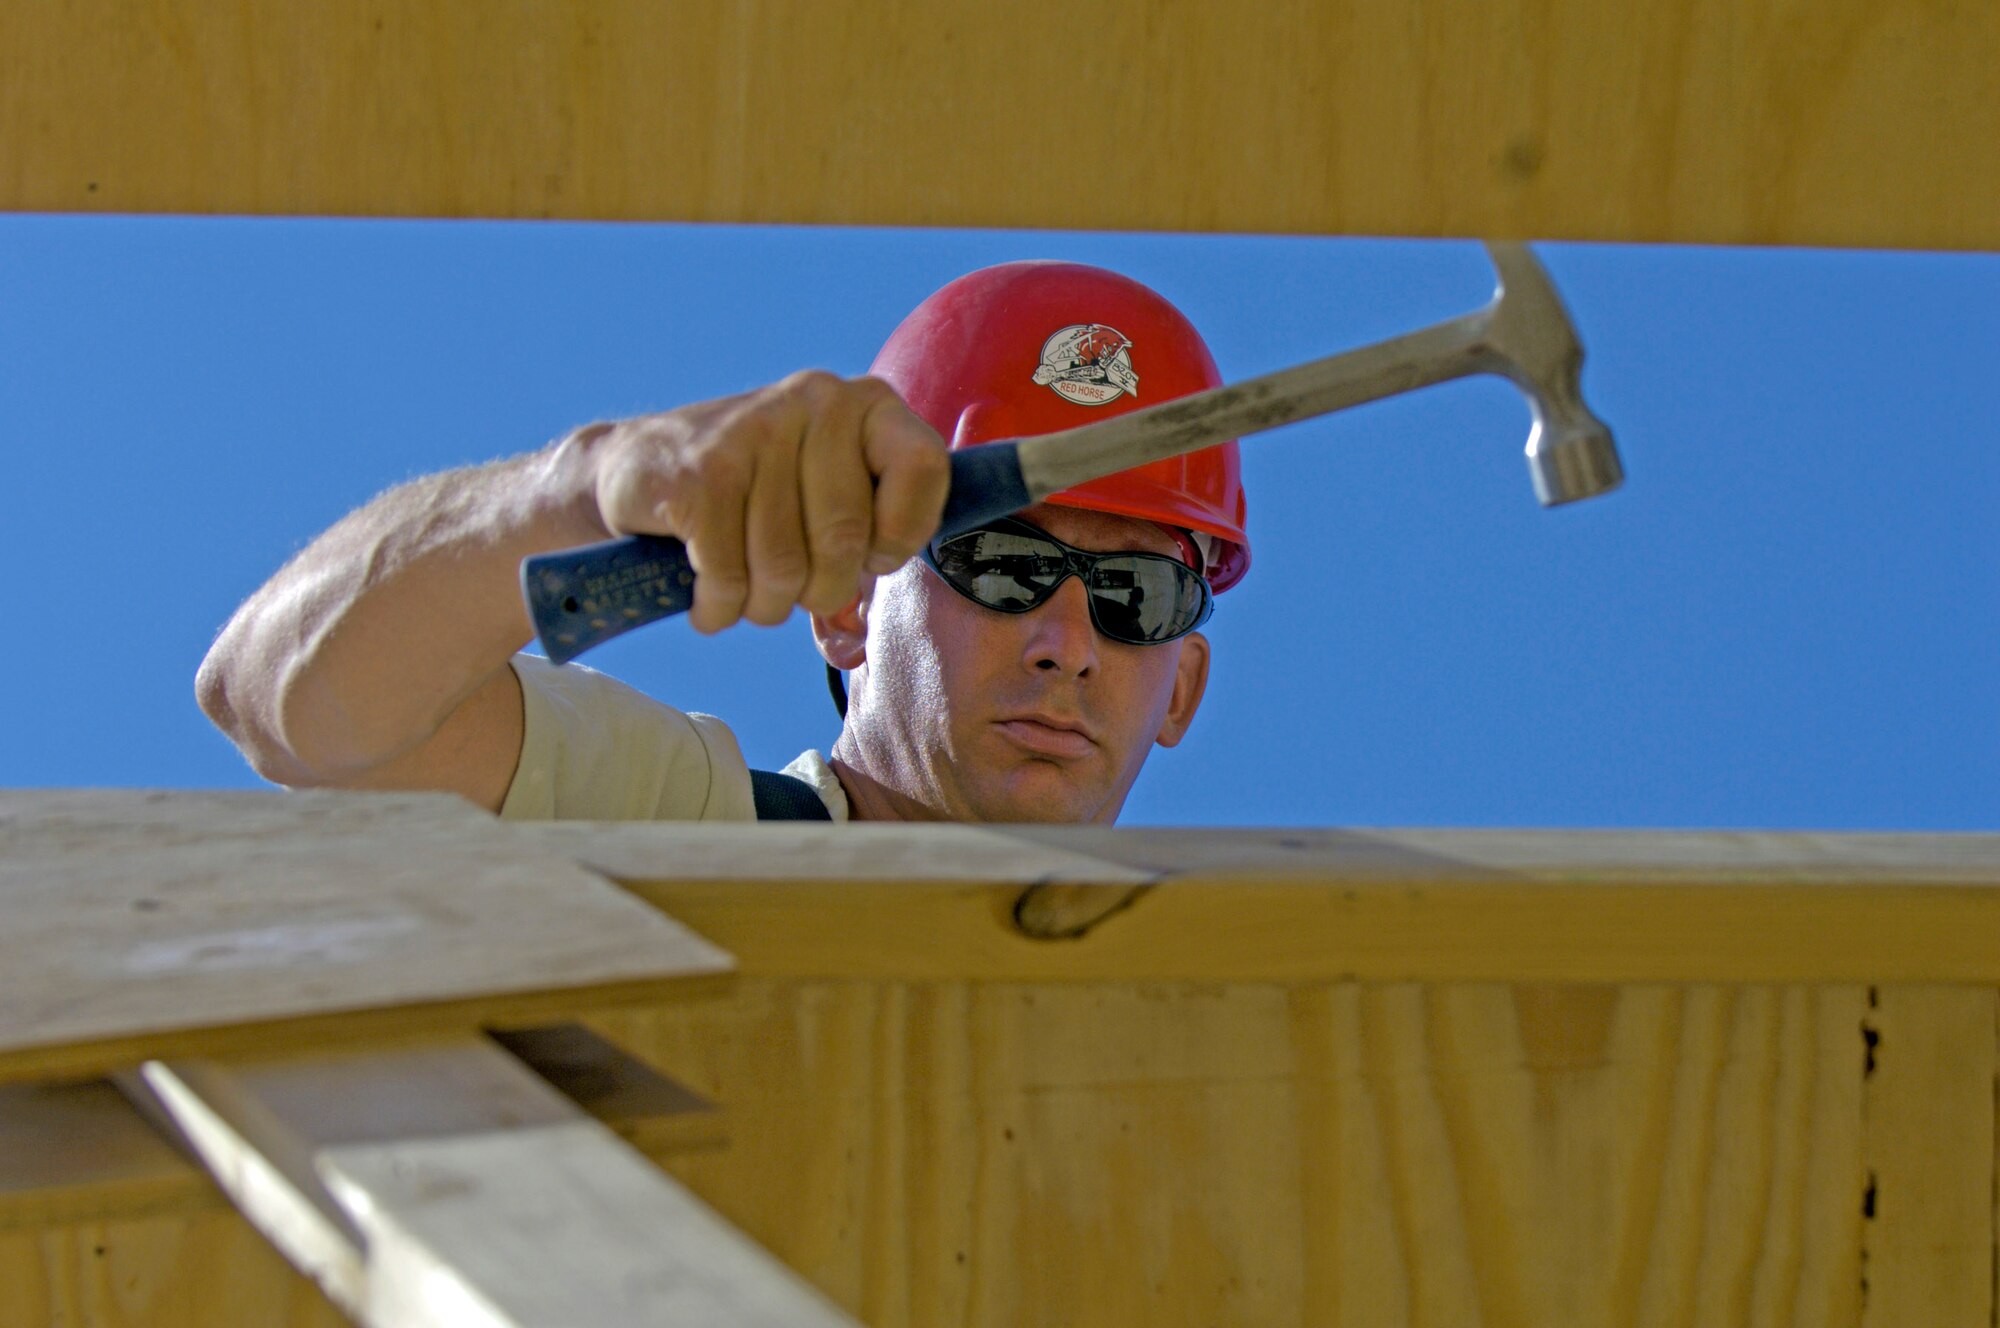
986	485
579	598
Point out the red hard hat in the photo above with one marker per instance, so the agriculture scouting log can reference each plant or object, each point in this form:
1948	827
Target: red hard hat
1029	348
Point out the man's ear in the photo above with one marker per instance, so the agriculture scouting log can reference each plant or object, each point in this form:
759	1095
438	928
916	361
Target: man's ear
1190	681
843	637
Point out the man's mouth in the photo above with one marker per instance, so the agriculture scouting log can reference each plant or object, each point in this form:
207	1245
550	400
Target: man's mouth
1047	735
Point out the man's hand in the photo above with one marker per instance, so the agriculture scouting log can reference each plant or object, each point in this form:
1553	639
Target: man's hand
785	495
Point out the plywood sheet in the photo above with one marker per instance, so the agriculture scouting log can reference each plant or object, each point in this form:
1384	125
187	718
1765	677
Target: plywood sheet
1364	1154
1849	122
1289	1155
143	924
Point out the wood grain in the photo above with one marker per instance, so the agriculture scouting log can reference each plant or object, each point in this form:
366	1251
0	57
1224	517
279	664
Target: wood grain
1846	122
176	1270
141	924
1363	1154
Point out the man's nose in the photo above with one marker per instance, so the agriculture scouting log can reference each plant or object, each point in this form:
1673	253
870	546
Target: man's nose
1061	635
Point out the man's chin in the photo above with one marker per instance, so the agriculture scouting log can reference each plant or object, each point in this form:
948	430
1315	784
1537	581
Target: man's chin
1039	793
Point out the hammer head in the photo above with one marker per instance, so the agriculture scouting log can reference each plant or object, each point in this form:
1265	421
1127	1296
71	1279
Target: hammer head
1530	339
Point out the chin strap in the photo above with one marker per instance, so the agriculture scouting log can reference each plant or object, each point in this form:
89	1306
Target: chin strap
838	687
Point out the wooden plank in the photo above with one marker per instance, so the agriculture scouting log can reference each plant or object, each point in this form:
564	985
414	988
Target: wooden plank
143	923
1320	905
1928	1185
1307	904
1847	122
449	1185
1215	932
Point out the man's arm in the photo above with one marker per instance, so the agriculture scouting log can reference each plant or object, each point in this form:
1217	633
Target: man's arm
378	657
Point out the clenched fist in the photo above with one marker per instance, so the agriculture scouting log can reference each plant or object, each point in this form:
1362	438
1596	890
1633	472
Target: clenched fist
785	495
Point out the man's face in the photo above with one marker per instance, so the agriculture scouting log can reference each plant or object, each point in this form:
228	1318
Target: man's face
989	716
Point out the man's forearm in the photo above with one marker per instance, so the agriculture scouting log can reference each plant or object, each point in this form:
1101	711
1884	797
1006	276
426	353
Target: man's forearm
362	646
377	657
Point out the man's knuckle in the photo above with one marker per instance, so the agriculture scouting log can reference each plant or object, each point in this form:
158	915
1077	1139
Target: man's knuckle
756	423
786	570
899	541
827	592
927	465
722	588
872	390
812	386
841	538
724	470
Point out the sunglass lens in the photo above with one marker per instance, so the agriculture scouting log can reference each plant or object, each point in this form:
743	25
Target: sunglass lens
1004	569
1145	599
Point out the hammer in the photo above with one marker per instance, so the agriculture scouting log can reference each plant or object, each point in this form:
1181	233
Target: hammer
579	598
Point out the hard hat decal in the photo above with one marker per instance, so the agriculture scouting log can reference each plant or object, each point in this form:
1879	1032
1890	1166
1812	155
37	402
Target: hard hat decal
1088	363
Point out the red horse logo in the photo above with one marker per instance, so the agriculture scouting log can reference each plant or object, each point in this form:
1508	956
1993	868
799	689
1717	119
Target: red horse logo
1088	363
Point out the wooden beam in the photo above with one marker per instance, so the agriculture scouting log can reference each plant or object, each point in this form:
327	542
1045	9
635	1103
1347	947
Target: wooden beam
1844	122
449	1186
1316	906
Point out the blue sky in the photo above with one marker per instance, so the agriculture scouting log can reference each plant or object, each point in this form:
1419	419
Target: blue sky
1790	616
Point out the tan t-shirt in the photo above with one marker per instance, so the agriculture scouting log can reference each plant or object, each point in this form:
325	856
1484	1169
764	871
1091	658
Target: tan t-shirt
594	749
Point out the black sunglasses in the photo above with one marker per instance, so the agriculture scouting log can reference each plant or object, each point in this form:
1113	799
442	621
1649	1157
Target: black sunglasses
1143	599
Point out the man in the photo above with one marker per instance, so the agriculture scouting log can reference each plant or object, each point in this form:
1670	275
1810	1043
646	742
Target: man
1022	672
